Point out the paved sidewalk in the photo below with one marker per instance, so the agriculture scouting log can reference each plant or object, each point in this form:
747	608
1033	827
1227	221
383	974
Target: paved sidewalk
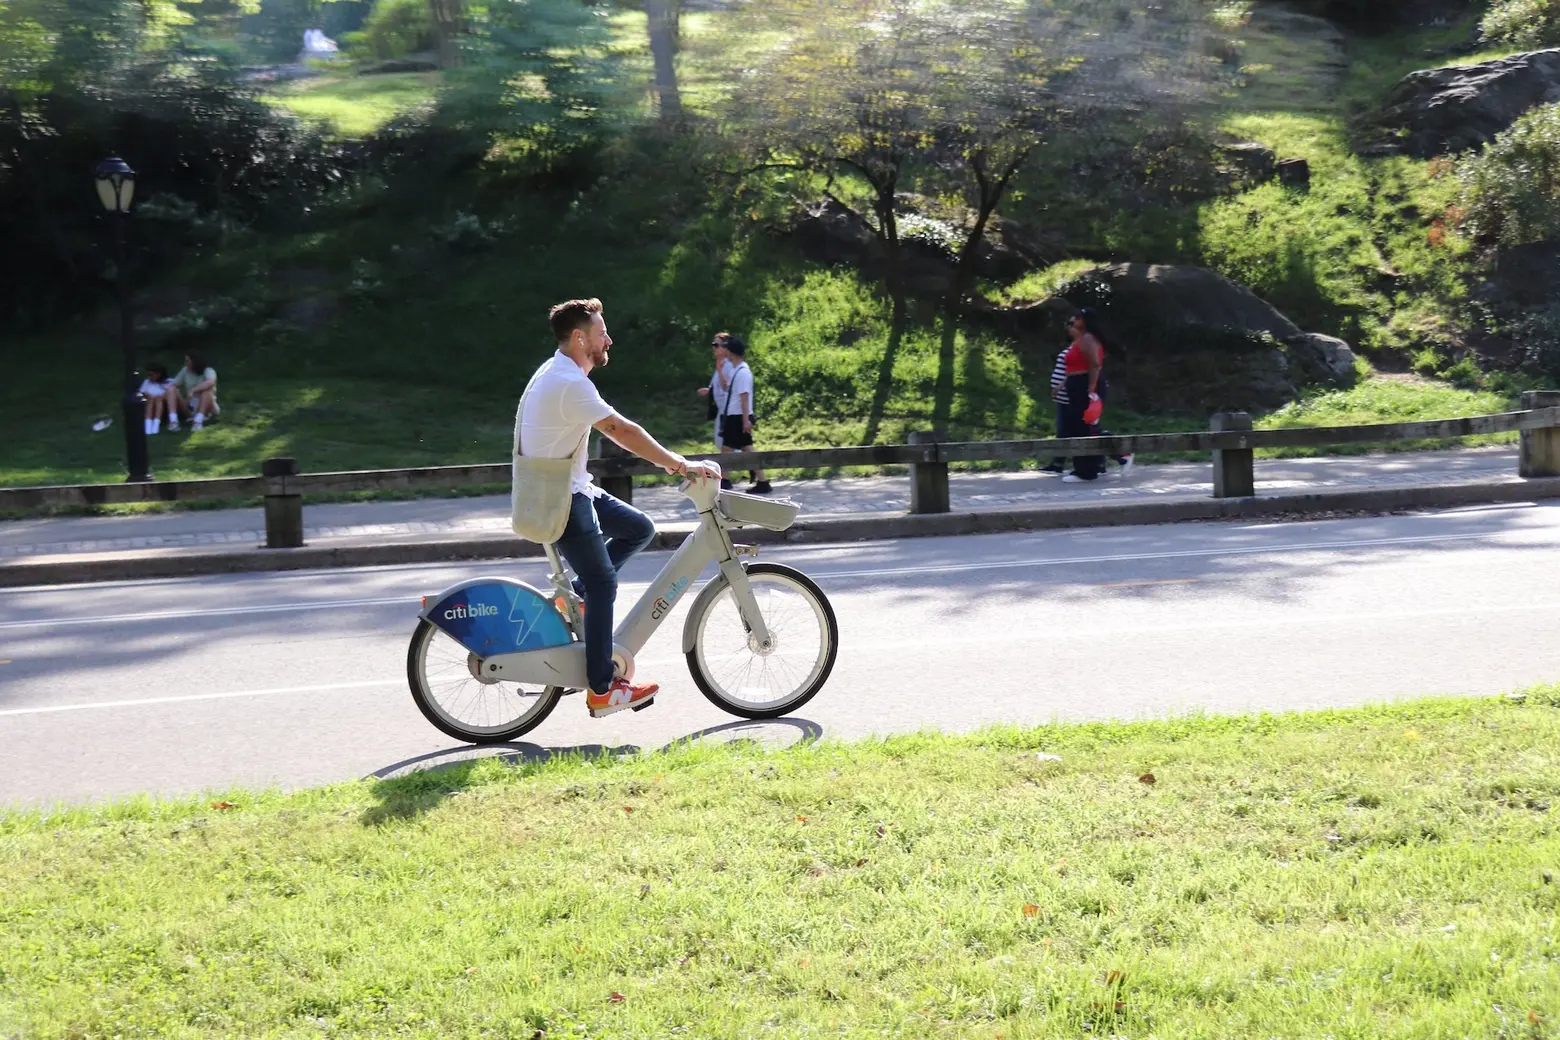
385	523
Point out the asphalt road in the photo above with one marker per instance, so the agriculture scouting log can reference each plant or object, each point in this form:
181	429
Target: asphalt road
294	679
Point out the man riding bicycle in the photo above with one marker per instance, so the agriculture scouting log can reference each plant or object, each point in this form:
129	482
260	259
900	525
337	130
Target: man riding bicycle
603	532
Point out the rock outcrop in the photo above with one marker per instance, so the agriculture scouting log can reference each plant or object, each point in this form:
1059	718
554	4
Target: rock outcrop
1185	340
1437	111
1325	360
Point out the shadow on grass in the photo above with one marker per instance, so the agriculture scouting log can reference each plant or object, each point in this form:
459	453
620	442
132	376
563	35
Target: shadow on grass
414	786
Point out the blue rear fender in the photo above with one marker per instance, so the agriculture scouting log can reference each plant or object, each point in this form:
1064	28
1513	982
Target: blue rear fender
490	616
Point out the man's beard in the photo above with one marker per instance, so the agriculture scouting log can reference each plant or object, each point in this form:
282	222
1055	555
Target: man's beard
598	357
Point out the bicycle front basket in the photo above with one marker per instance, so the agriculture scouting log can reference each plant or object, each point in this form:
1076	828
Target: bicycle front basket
777	514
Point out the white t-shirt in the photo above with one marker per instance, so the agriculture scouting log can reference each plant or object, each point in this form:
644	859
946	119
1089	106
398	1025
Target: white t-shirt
152	388
741	380
562	406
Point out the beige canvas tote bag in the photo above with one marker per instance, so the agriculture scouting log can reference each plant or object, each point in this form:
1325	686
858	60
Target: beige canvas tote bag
541	490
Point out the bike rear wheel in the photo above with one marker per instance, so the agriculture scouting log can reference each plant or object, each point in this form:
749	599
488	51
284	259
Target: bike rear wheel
735	674
450	694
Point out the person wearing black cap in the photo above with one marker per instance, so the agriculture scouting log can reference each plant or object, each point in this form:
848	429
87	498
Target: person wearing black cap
736	411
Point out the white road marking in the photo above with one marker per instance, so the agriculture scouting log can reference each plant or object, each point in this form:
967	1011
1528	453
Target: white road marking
179	615
1282	620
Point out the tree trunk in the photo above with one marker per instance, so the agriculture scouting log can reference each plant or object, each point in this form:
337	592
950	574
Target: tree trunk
893	277
449	23
988	194
662	16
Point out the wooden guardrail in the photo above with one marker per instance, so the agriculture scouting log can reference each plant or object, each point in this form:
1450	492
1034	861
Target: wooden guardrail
1230	439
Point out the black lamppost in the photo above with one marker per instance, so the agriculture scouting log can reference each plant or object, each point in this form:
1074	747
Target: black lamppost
116	190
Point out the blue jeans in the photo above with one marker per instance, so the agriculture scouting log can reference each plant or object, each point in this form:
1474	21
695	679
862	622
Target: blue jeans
602	534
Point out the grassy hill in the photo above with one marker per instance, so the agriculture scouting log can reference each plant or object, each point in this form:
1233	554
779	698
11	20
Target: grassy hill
400	328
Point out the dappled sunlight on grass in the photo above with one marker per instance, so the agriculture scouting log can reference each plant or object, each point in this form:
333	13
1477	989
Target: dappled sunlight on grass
1351	253
1387	400
356	106
1287	61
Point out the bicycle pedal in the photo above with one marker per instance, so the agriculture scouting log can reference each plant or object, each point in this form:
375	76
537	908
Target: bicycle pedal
642	705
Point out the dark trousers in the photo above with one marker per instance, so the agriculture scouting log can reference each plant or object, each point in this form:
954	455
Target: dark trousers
1060	462
602	534
1086	466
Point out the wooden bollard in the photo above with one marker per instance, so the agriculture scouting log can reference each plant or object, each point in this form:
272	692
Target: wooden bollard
283	505
1539	451
928	480
621	487
1234	469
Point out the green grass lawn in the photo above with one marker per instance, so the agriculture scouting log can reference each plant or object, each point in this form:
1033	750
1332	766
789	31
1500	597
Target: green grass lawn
332	421
1353	255
1378	873
356	106
1387	400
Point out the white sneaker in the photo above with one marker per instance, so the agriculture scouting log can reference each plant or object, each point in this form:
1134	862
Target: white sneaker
173	426
1072	478
1126	467
200	421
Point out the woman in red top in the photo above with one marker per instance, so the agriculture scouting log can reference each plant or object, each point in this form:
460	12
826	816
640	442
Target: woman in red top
1082	364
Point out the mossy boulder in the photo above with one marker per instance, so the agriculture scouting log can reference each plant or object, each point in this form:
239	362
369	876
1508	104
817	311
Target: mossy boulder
1186	340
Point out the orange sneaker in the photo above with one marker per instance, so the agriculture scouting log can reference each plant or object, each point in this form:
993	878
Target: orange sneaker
620	695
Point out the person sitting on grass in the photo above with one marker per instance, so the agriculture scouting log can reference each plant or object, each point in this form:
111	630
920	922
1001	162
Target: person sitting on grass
155	389
194	393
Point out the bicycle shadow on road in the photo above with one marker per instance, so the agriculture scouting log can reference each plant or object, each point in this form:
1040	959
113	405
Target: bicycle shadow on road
770	734
414	786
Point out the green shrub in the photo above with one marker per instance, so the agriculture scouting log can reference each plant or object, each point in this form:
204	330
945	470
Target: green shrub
1522	23
1464	375
1512	187
1538	334
397	28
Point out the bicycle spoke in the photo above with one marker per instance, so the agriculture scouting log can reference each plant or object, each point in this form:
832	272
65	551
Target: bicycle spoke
469	704
762	680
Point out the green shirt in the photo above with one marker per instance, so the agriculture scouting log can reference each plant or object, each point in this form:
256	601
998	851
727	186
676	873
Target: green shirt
187	380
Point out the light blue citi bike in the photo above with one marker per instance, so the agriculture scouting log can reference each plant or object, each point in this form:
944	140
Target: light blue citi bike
492	656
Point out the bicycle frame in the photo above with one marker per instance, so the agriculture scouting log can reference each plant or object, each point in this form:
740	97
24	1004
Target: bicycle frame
711	540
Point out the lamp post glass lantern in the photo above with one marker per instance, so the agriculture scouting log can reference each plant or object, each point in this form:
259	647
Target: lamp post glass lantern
116	191
116	186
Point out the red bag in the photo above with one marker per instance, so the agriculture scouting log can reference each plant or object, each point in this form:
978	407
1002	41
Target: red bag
1091	414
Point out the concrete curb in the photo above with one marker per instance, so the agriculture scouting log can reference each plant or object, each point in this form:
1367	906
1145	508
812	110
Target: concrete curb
180	563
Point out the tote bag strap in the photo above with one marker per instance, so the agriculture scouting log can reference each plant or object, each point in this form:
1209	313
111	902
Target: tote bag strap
520	414
520	421
731	386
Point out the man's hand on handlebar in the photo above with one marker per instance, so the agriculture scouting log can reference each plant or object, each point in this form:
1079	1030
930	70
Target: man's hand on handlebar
695	470
702	471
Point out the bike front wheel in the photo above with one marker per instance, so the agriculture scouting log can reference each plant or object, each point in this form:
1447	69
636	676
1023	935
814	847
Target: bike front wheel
737	675
452	695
